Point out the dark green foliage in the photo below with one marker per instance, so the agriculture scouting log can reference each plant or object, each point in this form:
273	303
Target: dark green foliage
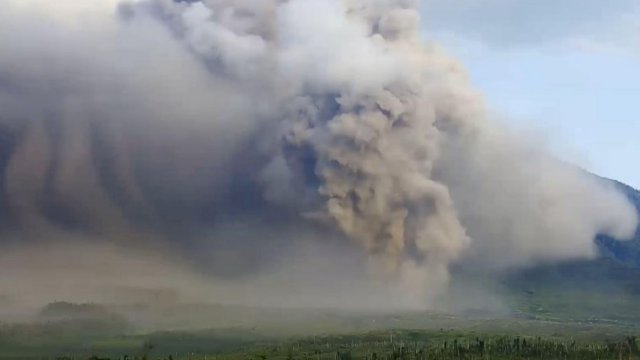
406	346
67	310
422	346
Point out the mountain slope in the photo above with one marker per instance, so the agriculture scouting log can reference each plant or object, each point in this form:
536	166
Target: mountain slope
606	289
625	252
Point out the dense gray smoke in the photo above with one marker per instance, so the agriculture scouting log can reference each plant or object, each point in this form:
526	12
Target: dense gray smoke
237	135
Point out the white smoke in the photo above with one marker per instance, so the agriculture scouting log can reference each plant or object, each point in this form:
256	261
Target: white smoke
333	111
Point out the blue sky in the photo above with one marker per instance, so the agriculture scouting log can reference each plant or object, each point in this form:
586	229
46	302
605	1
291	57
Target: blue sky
567	68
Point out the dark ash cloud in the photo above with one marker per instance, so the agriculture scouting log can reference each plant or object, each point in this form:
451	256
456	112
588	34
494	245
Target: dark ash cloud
256	147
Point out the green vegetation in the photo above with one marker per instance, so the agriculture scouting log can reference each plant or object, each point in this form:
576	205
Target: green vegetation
490	339
421	345
577	310
391	345
596	291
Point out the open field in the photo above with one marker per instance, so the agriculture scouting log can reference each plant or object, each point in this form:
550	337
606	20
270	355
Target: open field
391	344
299	334
581	310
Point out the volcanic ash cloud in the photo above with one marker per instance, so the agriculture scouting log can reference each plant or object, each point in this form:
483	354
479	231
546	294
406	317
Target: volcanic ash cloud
153	117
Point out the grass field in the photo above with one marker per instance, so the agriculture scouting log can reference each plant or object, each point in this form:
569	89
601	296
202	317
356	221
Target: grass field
580	310
396	344
329	335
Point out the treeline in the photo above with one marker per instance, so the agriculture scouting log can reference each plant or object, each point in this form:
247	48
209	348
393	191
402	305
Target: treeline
351	348
511	348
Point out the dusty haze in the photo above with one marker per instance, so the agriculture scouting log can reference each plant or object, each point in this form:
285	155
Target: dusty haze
297	153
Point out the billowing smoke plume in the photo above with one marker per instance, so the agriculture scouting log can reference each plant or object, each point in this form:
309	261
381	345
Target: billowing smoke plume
229	131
